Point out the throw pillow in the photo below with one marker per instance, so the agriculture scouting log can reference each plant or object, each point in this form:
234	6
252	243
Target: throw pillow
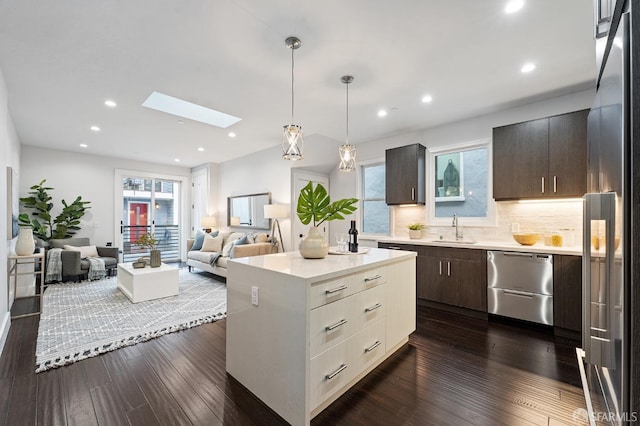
261	238
198	240
85	251
213	244
229	245
239	242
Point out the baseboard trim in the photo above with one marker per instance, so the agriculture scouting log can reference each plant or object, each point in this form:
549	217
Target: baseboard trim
4	330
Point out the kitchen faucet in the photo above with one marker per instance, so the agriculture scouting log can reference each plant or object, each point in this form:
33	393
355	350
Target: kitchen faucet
458	230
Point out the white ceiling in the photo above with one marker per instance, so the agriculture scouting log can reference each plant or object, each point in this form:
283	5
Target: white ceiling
62	59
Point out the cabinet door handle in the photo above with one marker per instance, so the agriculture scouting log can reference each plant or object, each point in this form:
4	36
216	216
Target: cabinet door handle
394	248
373	308
373	278
542	184
337	289
413	194
335	373
372	347
555	184
448	269
336	325
440	263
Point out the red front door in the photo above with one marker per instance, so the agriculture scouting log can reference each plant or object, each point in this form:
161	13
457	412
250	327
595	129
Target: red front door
138	220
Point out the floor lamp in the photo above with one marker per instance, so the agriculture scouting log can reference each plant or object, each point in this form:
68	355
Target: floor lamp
275	212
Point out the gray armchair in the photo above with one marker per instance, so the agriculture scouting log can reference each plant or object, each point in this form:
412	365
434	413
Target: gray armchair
74	266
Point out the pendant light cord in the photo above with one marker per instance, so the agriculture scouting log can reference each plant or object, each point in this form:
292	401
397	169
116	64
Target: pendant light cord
292	64
347	113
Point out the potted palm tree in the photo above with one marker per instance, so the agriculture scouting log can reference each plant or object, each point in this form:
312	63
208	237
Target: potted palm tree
314	205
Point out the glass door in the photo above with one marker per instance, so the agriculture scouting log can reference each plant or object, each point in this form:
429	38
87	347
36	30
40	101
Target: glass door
150	205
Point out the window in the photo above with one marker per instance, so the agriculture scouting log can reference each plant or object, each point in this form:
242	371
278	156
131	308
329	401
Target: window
460	184
375	212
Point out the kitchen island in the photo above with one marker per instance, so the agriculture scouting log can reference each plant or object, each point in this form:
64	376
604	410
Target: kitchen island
300	332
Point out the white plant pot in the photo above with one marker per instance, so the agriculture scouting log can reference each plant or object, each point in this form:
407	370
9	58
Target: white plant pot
415	234
314	245
25	245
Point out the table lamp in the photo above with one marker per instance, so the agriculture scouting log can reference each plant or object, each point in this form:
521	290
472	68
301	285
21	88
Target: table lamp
275	212
207	223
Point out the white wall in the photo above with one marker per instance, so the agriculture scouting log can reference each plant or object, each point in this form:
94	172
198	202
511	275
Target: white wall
90	176
9	156
266	171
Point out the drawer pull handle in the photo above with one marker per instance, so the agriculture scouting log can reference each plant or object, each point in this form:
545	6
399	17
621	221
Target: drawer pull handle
335	373
336	325
373	278
372	347
373	308
337	289
394	248
518	293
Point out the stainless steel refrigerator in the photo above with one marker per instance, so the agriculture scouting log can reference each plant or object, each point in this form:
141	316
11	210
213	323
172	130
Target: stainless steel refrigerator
610	260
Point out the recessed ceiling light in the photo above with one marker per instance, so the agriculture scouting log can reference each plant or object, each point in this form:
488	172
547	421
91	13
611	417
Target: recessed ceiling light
201	149
382	113
177	160
180	121
83	145
513	6
110	103
427	98
528	67
181	108
95	128
232	135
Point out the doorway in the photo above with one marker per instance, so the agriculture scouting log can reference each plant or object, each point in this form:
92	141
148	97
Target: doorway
149	204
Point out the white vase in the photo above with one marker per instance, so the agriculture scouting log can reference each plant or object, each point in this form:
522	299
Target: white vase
25	244
314	245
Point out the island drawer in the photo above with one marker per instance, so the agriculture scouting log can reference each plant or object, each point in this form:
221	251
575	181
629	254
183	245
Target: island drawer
331	290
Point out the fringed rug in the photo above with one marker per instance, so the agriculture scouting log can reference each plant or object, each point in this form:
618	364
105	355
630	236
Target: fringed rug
82	320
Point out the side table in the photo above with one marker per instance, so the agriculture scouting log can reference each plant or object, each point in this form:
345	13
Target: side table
12	270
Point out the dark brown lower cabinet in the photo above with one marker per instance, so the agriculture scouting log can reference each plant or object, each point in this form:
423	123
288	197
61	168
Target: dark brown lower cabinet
452	276
567	293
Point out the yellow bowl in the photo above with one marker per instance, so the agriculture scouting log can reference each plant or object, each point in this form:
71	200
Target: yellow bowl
526	239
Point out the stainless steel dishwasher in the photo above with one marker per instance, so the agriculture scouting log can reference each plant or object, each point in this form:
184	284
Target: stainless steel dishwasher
520	285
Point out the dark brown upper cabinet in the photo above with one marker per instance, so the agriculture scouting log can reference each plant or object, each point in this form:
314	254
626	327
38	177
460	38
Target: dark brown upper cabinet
541	158
405	175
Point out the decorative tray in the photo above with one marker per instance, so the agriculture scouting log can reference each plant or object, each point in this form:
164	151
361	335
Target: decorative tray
335	250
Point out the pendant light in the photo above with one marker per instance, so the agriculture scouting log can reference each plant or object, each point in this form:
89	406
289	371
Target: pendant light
347	151
292	137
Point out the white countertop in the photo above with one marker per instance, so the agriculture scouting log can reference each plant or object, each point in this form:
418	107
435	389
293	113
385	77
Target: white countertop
292	263
489	245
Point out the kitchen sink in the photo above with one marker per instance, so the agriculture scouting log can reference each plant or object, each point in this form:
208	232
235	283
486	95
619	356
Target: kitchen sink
454	241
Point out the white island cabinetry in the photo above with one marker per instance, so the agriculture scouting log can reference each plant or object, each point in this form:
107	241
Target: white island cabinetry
318	325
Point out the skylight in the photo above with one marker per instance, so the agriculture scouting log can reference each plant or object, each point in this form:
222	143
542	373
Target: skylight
181	108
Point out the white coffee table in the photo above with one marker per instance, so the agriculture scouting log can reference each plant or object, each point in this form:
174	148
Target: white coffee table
147	283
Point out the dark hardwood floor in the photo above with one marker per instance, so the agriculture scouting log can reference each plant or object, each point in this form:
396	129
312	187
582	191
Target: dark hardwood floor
454	371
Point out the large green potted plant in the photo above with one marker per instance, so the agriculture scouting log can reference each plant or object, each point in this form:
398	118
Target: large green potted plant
314	205
45	226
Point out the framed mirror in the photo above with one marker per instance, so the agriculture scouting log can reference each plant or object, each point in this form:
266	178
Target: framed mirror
247	211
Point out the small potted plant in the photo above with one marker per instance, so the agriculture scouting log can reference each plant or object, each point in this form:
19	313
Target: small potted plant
415	230
149	241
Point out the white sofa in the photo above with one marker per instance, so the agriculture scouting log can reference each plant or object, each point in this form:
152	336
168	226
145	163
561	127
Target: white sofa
202	259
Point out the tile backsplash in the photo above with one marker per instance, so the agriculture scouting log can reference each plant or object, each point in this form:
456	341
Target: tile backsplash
538	216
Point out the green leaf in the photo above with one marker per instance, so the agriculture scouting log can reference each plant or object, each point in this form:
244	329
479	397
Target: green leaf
315	204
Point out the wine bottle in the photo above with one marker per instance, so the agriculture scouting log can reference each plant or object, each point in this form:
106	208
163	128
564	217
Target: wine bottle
353	238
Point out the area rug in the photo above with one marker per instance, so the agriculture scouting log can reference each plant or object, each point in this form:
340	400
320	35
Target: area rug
82	320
